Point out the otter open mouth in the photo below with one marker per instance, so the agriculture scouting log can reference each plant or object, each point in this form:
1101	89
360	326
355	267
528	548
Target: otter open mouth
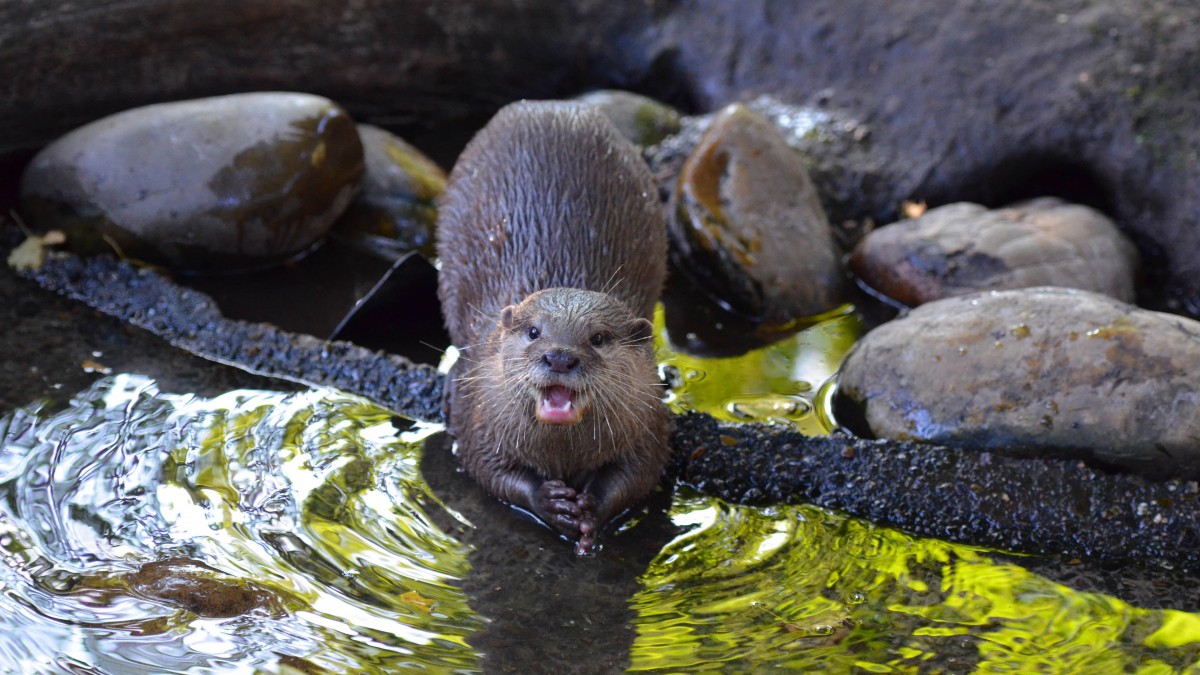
557	406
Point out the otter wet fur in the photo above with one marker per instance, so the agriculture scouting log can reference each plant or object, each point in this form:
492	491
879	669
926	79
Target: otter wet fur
553	253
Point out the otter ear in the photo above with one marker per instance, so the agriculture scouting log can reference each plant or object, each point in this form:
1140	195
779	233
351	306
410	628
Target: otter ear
640	329
506	317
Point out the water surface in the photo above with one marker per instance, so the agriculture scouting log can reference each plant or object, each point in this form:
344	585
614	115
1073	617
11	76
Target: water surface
301	536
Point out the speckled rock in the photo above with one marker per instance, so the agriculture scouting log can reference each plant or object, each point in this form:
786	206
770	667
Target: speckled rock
963	248
229	182
642	120
747	225
1042	371
397	207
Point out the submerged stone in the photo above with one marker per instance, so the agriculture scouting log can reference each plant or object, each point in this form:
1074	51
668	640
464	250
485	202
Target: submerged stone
200	589
641	119
397	207
1047	372
228	182
963	248
747	225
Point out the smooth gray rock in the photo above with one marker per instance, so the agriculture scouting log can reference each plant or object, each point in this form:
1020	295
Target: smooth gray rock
1042	372
964	248
227	182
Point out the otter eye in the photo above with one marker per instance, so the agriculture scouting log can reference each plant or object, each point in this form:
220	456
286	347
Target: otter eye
534	333
598	340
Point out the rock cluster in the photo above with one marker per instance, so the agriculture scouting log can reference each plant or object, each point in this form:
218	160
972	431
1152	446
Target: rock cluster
227	183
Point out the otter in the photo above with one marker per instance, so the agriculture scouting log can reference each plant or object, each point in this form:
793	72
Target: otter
553	252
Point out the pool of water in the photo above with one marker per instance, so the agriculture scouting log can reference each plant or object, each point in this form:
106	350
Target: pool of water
314	532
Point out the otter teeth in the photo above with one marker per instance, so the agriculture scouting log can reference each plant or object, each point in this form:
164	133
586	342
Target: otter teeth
558	406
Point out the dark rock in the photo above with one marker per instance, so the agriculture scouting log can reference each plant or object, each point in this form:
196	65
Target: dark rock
1040	372
641	119
747	225
963	248
227	182
396	211
200	589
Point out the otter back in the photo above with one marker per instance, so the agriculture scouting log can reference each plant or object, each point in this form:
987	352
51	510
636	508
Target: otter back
548	194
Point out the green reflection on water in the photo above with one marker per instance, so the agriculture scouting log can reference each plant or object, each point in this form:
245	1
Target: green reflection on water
801	588
788	383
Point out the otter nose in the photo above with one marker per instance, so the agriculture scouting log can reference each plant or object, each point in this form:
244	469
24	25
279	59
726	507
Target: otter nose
560	361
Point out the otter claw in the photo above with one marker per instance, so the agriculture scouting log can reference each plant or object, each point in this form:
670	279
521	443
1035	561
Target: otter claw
585	546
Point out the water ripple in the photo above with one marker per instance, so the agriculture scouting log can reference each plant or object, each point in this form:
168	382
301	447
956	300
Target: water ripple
311	501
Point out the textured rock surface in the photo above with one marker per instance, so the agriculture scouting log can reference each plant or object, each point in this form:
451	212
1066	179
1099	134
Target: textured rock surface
1035	506
1080	512
1042	372
191	321
226	182
963	248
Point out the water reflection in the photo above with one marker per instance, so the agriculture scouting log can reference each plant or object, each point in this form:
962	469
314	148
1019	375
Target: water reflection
314	532
313	498
804	589
787	383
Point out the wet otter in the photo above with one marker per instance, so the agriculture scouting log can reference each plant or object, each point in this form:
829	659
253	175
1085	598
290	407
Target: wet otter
553	252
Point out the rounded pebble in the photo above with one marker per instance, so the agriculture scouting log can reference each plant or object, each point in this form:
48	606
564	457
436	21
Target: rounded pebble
229	182
964	248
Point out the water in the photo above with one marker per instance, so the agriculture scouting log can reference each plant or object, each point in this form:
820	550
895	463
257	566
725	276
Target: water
789	383
326	551
313	499
802	589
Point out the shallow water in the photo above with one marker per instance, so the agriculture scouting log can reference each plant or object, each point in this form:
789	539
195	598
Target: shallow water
311	498
312	514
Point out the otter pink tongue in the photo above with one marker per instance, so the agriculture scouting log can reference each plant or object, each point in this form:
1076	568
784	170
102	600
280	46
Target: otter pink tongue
558	406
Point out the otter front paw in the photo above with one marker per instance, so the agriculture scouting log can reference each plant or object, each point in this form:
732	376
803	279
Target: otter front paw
587	524
570	512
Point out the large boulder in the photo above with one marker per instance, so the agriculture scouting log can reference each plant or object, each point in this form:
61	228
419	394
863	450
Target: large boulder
227	182
1049	372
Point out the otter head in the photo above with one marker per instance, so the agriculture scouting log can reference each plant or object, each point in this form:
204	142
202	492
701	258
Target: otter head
570	345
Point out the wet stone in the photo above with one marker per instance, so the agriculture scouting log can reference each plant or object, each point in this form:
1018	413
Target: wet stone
218	183
642	120
199	588
396	210
1045	372
963	248
747	225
